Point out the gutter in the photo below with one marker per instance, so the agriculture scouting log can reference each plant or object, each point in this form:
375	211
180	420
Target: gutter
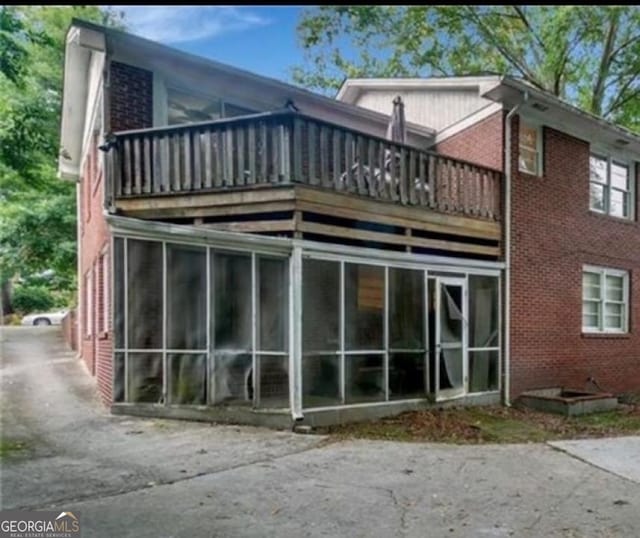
507	242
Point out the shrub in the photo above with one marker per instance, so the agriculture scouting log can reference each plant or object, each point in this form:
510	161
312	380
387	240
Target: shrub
28	299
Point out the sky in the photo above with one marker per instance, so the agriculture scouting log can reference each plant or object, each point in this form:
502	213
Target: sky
261	39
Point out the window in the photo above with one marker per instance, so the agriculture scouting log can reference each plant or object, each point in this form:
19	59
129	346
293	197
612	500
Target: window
530	149
189	107
186	107
605	300
610	187
105	293
88	303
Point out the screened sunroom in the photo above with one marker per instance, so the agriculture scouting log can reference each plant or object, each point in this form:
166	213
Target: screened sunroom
213	320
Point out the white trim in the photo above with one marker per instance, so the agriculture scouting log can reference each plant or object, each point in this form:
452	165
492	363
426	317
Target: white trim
352	87
178	233
165	328
342	375
88	330
603	273
295	334
331	251
209	366
561	115
255	366
454	392
105	292
468	121
613	157
381	403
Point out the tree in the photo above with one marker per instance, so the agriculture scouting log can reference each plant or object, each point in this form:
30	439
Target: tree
37	210
589	56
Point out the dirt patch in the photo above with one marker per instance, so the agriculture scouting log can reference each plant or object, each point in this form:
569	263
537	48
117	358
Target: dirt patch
492	425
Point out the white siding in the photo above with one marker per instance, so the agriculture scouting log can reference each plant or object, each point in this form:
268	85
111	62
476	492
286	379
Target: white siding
435	108
93	106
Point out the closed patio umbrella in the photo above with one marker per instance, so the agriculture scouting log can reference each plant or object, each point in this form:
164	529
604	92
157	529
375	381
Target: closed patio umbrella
397	128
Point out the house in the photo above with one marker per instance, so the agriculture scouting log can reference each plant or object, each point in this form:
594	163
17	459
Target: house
254	252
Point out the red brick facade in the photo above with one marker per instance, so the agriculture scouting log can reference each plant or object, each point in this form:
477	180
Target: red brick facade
70	329
553	235
130	107
94	331
131	97
481	143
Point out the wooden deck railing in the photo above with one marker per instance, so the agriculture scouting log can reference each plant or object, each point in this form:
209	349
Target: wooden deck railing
285	148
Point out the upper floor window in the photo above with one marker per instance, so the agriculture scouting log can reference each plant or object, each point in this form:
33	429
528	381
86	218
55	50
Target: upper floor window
605	299
530	149
610	187
190	107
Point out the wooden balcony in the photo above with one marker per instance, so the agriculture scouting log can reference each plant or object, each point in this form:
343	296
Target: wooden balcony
287	173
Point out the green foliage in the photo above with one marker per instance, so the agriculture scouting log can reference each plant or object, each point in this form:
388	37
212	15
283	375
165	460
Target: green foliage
28	299
37	210
588	55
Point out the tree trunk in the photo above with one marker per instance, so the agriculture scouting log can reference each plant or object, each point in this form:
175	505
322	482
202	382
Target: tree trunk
5	298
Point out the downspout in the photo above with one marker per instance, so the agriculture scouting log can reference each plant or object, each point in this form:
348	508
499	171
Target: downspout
80	276
507	241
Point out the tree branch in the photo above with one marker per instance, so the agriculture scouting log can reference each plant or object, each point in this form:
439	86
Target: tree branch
523	18
605	64
625	44
621	99
518	63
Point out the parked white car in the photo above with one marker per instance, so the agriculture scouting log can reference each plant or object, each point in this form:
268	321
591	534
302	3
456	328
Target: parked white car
45	318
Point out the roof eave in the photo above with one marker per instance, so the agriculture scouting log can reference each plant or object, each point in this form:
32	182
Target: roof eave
511	92
115	35
79	44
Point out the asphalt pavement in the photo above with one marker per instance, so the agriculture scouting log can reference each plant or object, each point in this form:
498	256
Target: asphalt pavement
158	478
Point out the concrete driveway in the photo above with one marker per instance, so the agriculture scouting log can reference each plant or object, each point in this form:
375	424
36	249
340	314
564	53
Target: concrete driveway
154	478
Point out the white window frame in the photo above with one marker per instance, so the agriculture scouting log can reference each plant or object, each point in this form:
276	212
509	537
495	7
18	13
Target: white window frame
105	293
89	302
610	160
538	149
603	273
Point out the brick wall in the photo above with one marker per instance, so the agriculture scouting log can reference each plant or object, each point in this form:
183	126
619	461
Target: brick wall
481	143
70	329
95	349
131	97
554	233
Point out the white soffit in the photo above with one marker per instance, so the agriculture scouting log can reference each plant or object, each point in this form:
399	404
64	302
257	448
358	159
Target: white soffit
81	42
352	87
548	110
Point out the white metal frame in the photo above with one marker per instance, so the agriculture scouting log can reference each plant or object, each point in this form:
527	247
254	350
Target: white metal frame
454	392
209	350
388	260
294	251
603	273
